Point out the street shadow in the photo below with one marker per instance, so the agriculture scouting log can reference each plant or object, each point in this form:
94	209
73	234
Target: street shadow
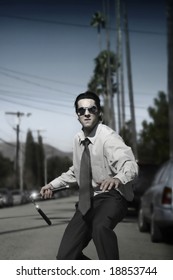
17	216
168	237
131	216
60	221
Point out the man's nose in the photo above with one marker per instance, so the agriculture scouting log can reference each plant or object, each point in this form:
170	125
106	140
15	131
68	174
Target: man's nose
87	112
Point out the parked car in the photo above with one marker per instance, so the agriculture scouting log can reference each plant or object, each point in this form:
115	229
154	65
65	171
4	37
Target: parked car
19	197
145	177
6	197
156	207
1	200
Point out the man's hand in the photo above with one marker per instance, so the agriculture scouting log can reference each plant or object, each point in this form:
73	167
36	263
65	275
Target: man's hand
46	191
109	183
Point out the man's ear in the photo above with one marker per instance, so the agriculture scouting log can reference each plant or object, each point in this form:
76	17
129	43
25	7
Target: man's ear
77	117
100	116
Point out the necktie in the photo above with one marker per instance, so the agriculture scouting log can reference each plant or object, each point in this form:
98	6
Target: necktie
85	180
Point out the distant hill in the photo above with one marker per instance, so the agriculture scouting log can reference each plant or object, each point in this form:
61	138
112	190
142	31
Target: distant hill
52	151
8	150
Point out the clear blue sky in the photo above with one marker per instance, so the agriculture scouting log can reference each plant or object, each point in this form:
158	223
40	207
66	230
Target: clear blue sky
47	57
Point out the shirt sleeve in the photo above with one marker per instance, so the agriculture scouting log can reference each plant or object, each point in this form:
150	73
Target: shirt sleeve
66	178
120	159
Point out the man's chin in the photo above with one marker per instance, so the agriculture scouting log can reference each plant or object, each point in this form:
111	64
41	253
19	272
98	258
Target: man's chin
87	124
88	127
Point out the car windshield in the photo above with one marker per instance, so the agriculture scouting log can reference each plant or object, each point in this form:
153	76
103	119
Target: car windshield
170	181
3	192
16	192
160	174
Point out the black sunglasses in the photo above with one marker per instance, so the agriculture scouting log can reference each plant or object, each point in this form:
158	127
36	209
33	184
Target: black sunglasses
81	111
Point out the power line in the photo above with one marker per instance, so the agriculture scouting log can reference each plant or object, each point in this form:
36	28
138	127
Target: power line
34	107
42	95
30	82
40	78
9	144
70	24
33	99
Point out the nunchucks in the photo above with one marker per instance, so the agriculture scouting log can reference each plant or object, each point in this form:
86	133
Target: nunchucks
35	196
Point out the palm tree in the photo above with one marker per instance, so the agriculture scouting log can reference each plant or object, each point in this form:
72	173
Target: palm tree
98	82
130	84
98	21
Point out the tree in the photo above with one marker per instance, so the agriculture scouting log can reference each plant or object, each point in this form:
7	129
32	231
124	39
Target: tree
34	162
40	161
98	82
30	164
126	131
153	142
6	172
56	166
98	20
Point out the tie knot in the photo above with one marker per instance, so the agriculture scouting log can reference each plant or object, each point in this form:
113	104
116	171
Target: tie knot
86	142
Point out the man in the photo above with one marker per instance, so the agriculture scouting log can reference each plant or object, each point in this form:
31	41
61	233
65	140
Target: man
110	176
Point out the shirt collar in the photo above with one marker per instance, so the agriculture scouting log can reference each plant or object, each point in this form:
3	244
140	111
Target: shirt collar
92	136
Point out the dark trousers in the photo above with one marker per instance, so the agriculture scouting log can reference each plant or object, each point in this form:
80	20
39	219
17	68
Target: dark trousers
107	210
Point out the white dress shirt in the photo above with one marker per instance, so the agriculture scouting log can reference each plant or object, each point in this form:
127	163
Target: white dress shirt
110	157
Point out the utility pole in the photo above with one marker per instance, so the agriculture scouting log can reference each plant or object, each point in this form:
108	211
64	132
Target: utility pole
118	63
170	70
121	70
18	174
123	117
130	86
110	94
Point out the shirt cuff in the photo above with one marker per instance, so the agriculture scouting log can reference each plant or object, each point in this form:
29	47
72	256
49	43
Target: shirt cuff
57	183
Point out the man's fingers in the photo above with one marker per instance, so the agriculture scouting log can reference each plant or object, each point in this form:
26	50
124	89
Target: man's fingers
109	183
46	191
105	185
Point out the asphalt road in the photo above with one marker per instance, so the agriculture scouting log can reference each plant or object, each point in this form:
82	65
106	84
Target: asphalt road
24	235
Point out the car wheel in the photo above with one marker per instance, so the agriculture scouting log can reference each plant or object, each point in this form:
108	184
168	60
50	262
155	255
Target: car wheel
142	224
155	231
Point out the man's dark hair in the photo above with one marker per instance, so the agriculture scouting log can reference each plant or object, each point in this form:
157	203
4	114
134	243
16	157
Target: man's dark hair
88	95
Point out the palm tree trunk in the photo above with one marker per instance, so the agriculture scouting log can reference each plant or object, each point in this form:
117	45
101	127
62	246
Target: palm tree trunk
130	86
118	64
109	83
